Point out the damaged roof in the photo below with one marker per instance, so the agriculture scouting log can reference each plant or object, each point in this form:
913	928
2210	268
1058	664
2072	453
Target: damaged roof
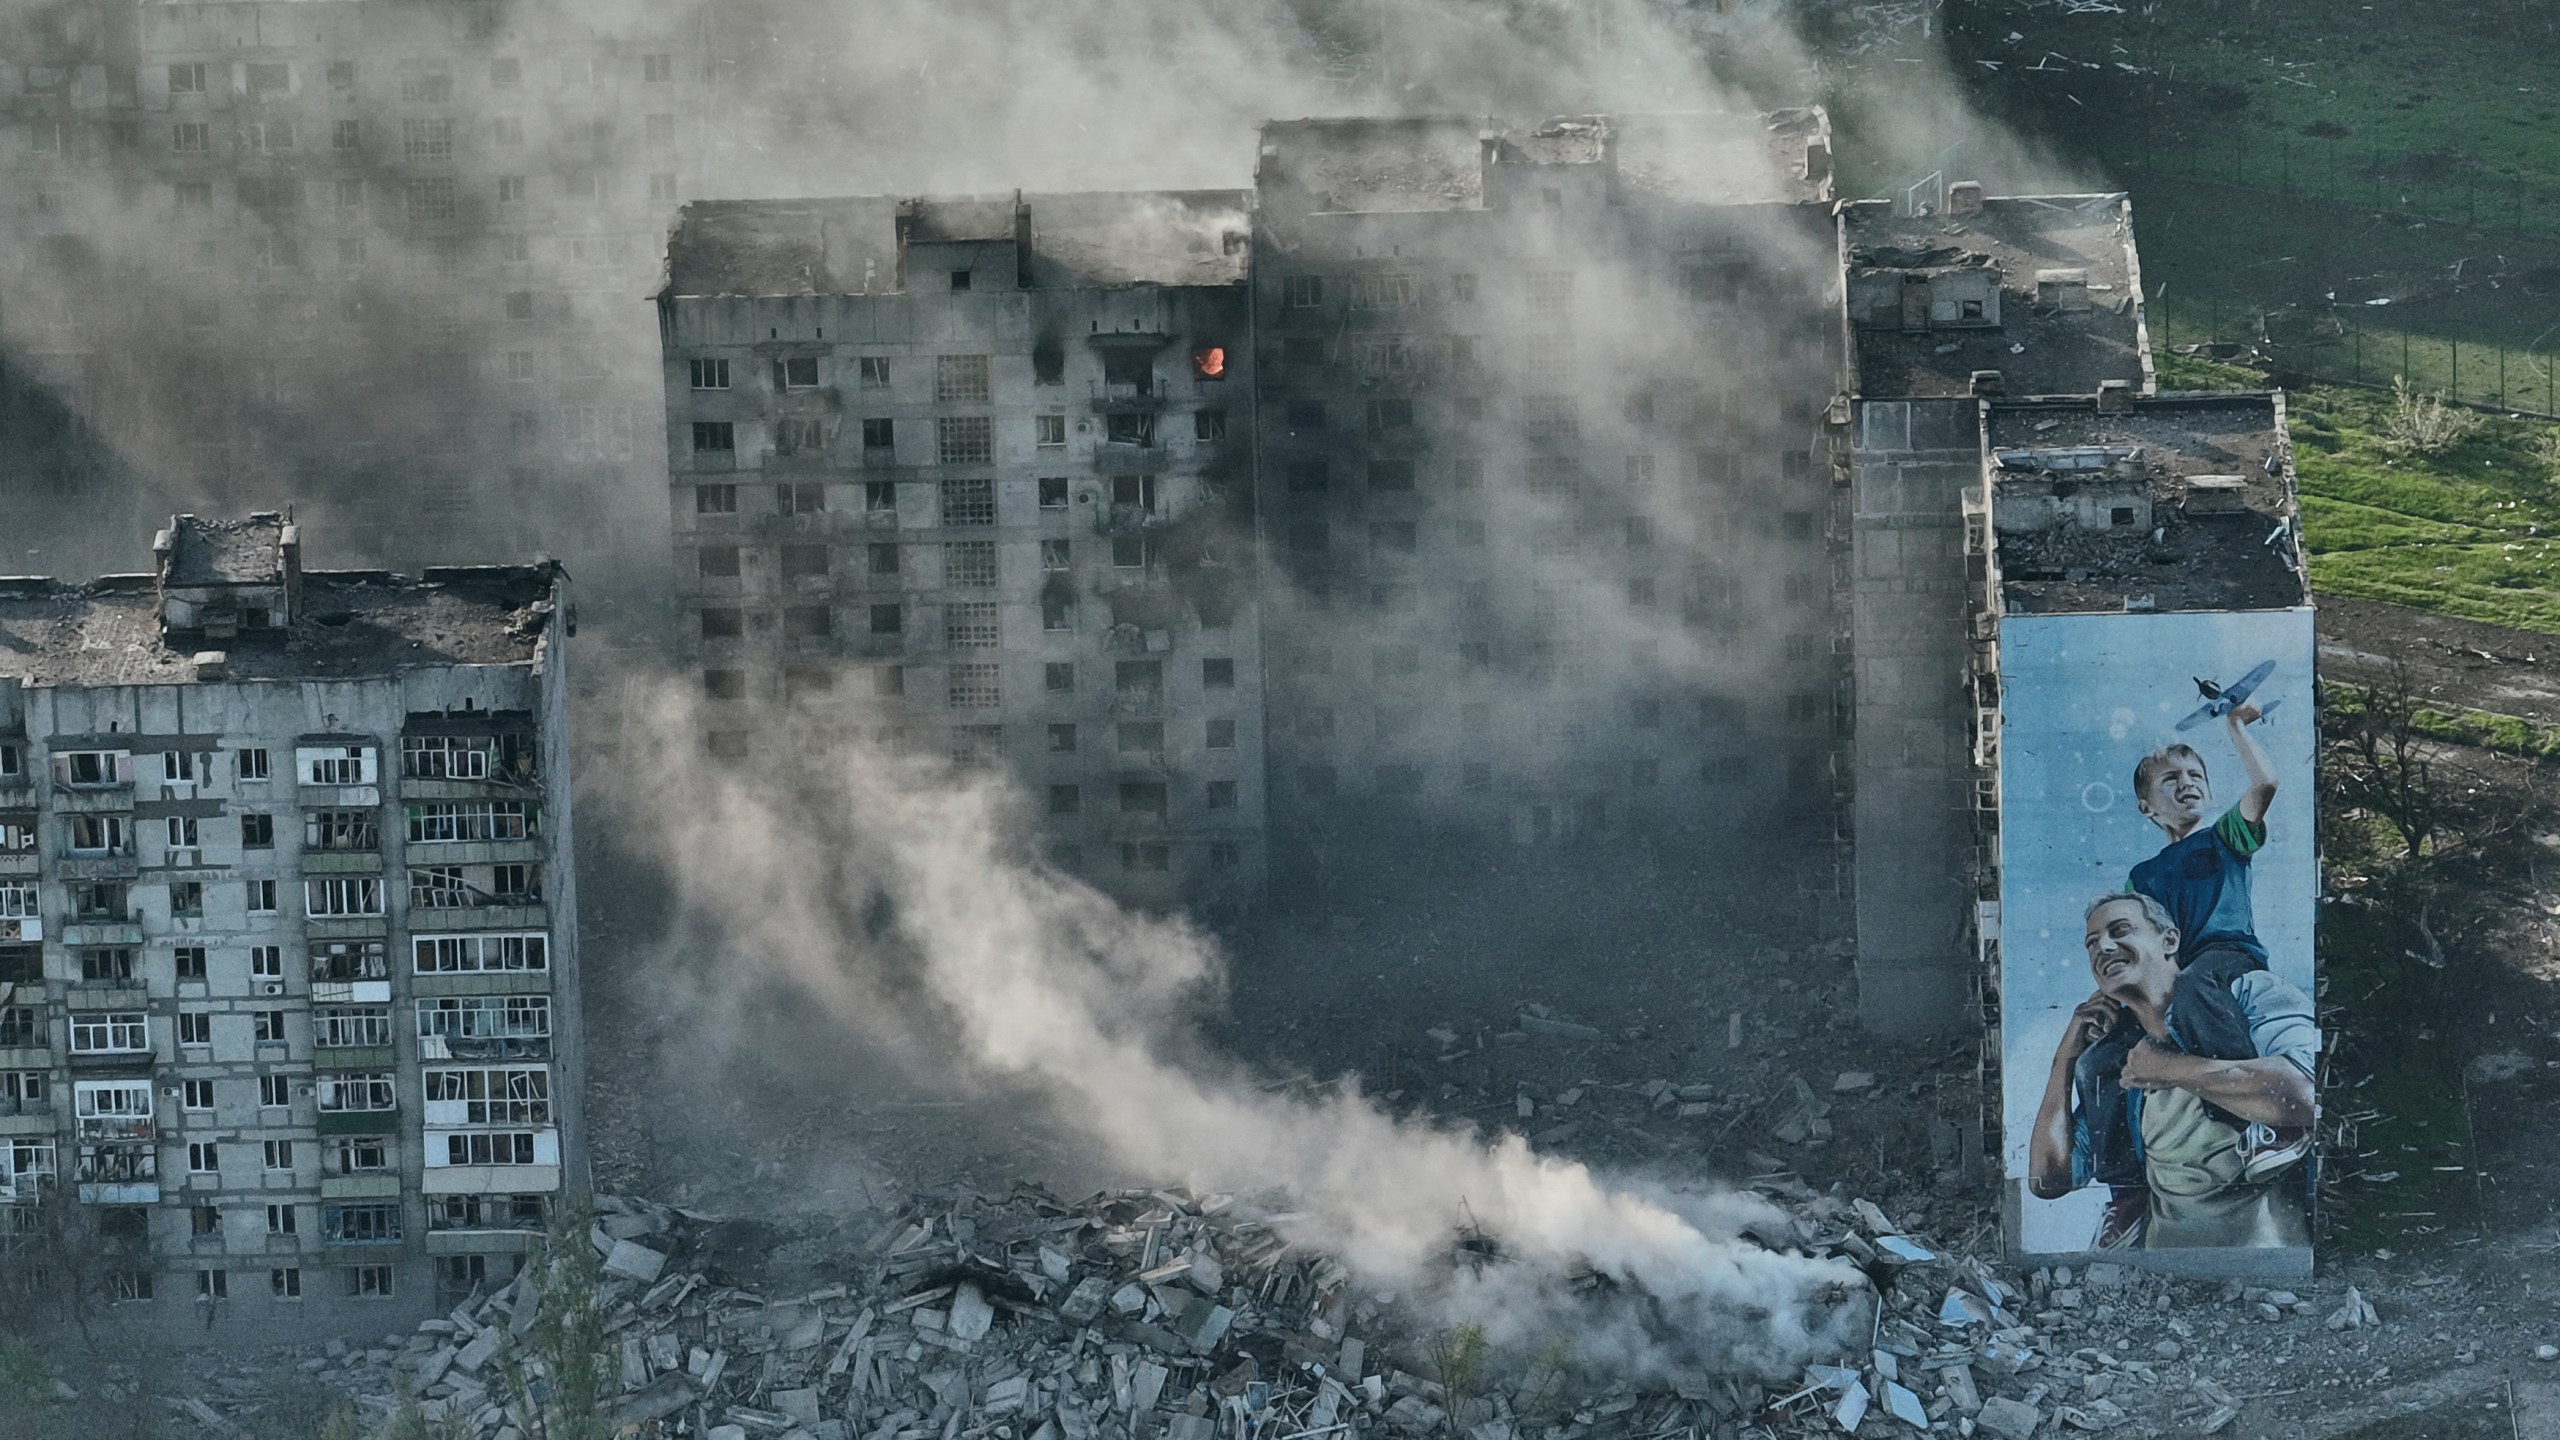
1376	164
2217	472
849	246
2038	349
352	623
249	551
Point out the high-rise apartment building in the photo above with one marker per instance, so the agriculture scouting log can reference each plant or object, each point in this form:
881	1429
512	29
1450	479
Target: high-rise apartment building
976	476
382	257
288	960
1544	469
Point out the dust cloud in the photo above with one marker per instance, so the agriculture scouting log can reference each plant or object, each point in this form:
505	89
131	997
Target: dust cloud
903	898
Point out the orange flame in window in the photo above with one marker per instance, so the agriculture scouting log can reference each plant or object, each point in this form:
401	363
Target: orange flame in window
1210	364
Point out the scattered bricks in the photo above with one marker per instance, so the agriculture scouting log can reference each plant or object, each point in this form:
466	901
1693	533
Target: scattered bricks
1085	1302
1956	1383
2008	1419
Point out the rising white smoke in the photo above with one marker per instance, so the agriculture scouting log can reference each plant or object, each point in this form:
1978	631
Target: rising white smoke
903	899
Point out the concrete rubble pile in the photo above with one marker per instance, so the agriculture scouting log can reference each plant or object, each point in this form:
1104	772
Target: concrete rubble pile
1160	1315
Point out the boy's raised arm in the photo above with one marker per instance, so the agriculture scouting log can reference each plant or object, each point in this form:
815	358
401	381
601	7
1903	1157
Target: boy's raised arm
2262	777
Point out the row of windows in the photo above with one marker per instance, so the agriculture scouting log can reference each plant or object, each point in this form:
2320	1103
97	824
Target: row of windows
467	1018
1804	775
1142	679
1143	797
428	824
422	757
957	439
965	563
963	379
1546	292
357	1282
959	502
333	897
428	82
432	197
421	140
966	624
1154	857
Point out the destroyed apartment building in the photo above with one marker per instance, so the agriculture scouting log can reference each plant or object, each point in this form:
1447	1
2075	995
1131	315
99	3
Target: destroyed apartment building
1032	479
288	966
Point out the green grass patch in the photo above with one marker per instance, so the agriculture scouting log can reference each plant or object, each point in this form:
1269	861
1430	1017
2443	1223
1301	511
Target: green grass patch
2477	729
2474	531
2439	108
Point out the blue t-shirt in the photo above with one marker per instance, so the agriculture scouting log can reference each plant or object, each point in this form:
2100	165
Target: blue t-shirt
2203	882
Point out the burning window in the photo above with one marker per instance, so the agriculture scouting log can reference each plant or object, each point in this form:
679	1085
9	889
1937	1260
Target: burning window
1209	363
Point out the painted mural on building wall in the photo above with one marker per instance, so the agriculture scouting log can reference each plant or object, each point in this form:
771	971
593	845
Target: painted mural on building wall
2159	882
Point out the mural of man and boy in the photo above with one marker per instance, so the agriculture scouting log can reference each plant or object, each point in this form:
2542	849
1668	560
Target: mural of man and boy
2183	1084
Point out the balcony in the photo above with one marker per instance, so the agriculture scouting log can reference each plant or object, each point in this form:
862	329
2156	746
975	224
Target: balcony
358	1122
350	992
352	1057
96	1128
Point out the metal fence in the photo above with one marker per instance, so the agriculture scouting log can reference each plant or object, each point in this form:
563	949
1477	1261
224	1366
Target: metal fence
2340	347
2443	186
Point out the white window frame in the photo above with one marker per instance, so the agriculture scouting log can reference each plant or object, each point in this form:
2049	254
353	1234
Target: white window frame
338	766
128	1032
471	953
358	1092
480	1096
337	896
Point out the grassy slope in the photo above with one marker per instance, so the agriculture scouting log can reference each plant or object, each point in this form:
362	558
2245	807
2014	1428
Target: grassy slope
2471	532
2465	77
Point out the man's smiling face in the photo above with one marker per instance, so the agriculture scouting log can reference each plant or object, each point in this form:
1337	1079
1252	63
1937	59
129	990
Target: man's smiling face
2130	956
2178	791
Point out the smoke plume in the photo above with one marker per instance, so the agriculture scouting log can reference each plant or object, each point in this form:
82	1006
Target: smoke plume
903	898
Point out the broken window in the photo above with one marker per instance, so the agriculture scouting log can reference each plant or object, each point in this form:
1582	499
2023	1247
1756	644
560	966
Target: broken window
804	682
959	379
1209	425
872	372
1057	613
724	684
1142	797
1133	552
976	687
1391	475
1136	492
880	497
1220	734
723	623
887	619
488	1096
964	439
968	502
1062	739
795	372
718	561
424	140
100	900
100	835
800	497
1129	429
970	625
1209	362
889	681
1049	430
807	622
714	437
110	965
1387	416
1058	676
804	561
1140	737
1053	492
1302	292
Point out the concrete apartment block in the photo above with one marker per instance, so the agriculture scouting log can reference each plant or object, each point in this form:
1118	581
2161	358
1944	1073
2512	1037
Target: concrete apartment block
1545	480
973	475
288	964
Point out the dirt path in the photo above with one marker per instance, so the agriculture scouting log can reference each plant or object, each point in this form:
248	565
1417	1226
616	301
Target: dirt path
2455	662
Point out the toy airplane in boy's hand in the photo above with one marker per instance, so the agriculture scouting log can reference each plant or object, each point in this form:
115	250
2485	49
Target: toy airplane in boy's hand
2219	701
